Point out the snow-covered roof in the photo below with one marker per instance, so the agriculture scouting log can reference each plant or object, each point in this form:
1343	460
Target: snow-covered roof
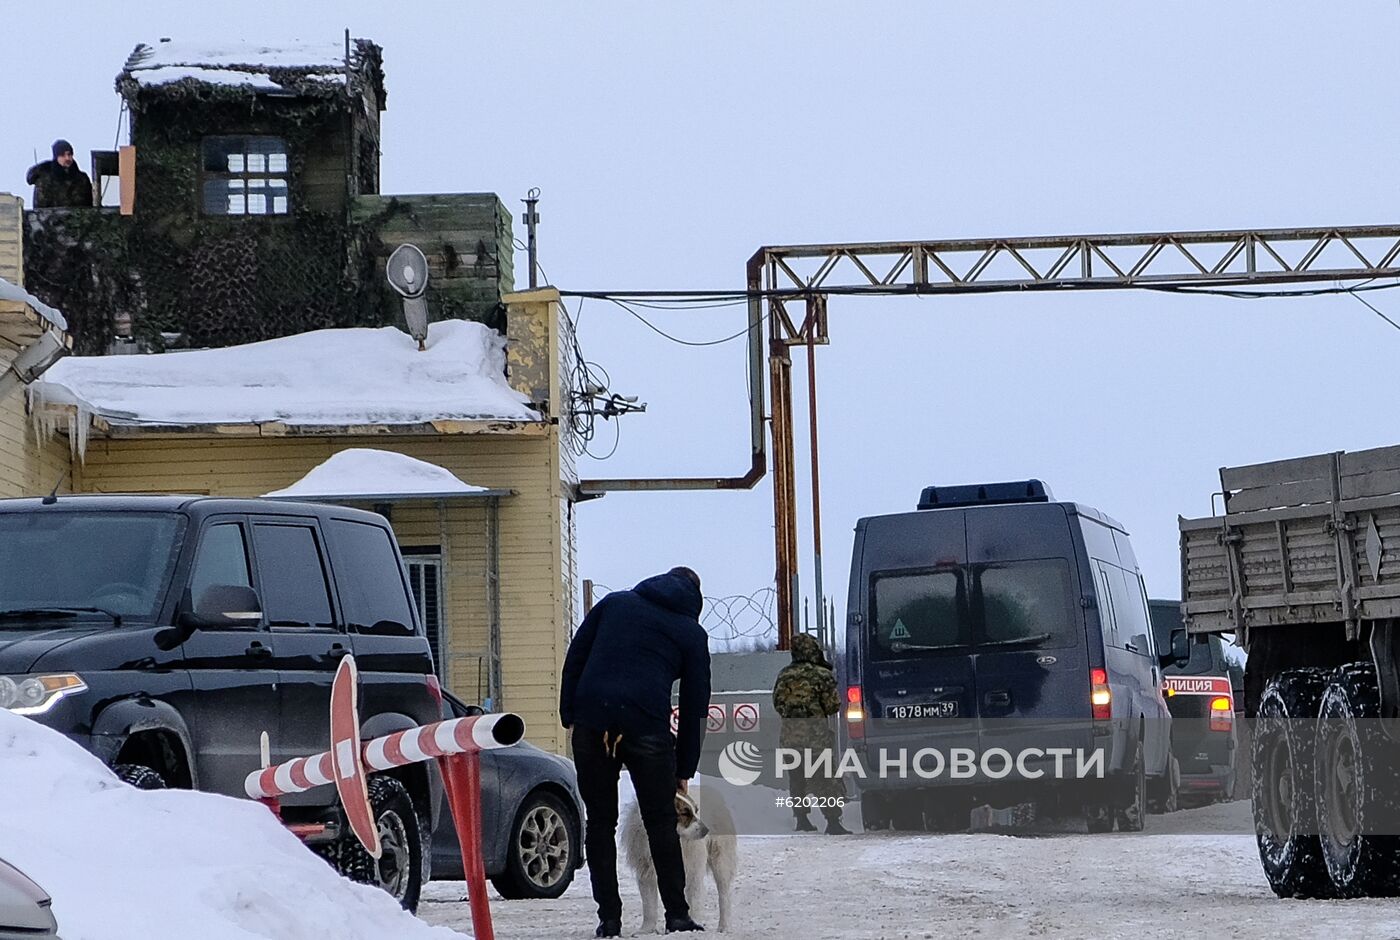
108	854
259	66
13	292
327	379
364	472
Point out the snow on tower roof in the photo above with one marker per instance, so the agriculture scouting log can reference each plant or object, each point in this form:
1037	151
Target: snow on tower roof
17	294
259	66
365	472
326	379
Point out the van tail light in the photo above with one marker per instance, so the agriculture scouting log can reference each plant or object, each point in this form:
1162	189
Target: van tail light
1100	696
855	712
434	689
1222	713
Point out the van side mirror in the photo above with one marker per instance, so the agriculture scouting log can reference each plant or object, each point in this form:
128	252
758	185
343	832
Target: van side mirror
224	605
1181	647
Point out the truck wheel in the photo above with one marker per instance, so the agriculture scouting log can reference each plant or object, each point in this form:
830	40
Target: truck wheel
1285	807
140	777
1355	767
399	868
1131	812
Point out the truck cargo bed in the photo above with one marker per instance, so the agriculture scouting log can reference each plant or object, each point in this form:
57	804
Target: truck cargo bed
1305	540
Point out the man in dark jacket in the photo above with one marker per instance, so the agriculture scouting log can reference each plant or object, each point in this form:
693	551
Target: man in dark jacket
58	182
616	699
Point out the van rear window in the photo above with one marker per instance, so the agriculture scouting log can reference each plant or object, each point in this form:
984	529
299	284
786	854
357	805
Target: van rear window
973	608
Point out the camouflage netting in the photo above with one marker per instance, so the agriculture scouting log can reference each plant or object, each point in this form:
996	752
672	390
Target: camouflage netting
189	279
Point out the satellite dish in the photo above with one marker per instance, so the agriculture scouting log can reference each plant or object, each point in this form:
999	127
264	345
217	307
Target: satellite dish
407	271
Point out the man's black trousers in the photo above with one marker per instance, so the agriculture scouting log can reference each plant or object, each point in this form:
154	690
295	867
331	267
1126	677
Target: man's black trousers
651	763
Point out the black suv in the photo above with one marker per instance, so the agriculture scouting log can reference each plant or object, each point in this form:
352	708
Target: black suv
166	633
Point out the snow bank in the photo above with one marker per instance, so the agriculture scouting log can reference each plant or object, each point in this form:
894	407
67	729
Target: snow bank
362	471
127	864
234	63
327	377
18	294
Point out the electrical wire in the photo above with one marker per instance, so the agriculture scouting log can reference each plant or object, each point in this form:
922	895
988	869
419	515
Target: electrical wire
676	339
1375	311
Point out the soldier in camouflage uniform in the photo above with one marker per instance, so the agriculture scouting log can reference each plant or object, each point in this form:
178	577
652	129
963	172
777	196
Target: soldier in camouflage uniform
805	698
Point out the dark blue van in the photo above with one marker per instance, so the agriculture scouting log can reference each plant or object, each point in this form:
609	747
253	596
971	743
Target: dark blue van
996	622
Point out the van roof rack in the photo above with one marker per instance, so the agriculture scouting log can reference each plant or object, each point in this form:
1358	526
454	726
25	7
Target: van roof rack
984	494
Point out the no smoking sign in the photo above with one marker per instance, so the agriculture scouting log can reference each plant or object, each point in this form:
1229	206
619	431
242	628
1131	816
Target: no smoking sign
746	717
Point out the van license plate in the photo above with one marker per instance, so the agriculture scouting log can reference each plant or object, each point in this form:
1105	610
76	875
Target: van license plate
921	710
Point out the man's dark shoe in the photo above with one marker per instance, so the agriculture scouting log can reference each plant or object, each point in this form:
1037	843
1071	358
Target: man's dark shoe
608	928
804	824
681	925
834	827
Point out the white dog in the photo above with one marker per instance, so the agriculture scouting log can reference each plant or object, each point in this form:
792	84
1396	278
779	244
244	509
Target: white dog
705	843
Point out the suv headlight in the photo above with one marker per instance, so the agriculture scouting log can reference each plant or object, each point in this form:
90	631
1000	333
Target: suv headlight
34	695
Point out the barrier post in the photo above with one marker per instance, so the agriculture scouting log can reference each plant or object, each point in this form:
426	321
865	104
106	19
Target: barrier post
461	777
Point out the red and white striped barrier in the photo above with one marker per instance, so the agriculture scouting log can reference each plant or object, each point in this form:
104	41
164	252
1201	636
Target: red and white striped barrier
439	739
456	744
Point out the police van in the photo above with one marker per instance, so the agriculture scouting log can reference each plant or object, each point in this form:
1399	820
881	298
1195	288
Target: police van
1201	696
996	622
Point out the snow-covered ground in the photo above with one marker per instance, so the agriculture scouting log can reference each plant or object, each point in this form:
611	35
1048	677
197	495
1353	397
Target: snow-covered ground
128	864
1167	882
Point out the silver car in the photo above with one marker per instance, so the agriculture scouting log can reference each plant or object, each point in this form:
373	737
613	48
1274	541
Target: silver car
25	908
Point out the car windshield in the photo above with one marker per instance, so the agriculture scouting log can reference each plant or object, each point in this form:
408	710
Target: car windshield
1002	606
85	565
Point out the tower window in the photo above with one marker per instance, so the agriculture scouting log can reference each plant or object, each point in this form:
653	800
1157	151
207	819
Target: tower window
245	176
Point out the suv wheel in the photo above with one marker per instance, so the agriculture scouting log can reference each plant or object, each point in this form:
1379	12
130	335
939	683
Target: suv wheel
399	868
542	850
140	777
1131	812
1285	808
1355	764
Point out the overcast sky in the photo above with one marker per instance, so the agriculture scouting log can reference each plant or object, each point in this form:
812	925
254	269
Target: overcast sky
670	142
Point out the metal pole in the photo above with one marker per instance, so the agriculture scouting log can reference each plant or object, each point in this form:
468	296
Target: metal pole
587	596
816	471
779	366
494	680
531	219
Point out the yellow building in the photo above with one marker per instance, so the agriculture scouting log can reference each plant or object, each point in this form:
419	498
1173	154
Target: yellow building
503	617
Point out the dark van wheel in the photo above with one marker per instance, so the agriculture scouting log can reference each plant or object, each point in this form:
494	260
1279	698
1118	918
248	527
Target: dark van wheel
1131	812
1166	797
1285	808
540	859
874	812
399	868
142	778
1355	766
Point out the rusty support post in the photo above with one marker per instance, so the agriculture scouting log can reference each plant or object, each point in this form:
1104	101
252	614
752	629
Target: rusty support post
816	468
784	535
587	596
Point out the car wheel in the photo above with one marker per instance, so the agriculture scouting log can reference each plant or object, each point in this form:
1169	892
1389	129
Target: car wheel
541	856
399	868
139	776
907	812
1355	764
1284	804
